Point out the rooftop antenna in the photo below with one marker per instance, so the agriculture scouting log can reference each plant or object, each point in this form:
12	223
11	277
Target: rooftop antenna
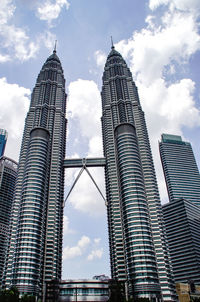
112	45
55	46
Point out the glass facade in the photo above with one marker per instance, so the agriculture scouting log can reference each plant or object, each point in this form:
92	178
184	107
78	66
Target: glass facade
35	245
83	290
3	139
138	250
182	220
180	169
8	174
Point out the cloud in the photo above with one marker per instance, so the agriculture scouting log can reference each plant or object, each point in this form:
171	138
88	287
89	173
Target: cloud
95	254
7	9
48	39
4	58
84	106
78	250
66	228
15	42
184	5
50	10
155	47
100	57
14	104
97	240
84	111
85	196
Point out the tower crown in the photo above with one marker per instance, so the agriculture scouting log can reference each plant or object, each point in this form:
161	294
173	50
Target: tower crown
114	52
53	57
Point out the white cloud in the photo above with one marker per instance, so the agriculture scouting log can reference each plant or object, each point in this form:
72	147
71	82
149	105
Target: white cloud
85	196
84	109
48	39
50	10
100	57
15	42
14	103
95	146
185	5
66	228
7	9
84	106
97	240
78	250
4	58
95	254
155	47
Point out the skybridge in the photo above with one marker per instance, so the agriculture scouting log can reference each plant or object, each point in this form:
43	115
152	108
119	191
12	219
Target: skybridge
84	164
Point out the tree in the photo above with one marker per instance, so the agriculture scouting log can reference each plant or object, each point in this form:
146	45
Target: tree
10	295
117	291
27	298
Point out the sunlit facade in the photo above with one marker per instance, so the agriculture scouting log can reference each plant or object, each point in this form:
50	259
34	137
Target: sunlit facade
180	169
35	246
138	252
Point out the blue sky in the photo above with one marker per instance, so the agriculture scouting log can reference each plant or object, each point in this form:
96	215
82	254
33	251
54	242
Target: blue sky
160	40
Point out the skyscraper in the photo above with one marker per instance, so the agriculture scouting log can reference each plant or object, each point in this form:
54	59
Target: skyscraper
182	220
180	169
3	139
8	174
35	246
138	250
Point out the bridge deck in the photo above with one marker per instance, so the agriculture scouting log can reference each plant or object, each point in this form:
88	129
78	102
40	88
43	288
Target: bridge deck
89	162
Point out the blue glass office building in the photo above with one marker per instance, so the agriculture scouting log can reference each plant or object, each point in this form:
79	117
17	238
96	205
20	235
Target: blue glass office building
180	169
3	139
182	220
8	174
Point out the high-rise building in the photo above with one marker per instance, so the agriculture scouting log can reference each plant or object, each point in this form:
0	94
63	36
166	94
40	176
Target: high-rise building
35	245
138	251
180	169
3	140
182	220
8	174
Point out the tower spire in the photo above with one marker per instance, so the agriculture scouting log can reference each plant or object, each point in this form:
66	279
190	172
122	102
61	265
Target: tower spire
112	45
55	46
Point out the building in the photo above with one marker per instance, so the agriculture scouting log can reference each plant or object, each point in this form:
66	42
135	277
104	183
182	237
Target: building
79	290
35	245
8	174
138	252
180	169
182	220
3	140
101	277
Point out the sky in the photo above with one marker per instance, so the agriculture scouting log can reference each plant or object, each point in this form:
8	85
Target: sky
160	41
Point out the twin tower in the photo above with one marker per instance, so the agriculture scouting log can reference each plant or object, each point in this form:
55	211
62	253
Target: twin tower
138	249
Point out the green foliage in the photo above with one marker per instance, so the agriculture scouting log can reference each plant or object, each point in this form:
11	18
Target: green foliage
11	295
117	291
27	298
195	299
